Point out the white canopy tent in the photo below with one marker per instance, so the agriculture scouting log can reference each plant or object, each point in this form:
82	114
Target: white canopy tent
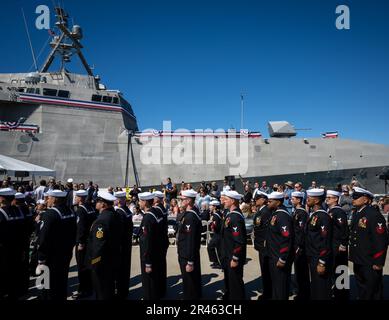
18	168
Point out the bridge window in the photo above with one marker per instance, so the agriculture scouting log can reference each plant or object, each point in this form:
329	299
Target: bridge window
96	98
115	100
107	99
37	91
49	92
63	94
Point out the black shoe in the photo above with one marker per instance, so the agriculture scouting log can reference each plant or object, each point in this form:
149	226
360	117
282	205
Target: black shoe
216	266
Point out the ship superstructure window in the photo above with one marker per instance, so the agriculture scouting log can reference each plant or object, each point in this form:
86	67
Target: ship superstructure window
34	90
107	99
21	89
49	92
115	100
96	98
63	94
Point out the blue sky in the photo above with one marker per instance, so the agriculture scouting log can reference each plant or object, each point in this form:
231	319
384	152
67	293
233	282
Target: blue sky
188	61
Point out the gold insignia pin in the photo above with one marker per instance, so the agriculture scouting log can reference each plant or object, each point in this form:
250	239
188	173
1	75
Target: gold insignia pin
100	233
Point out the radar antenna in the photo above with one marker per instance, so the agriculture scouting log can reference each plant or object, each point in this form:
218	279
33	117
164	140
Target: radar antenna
66	44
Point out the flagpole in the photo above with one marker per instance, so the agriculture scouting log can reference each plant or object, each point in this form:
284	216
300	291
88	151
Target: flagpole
241	110
29	40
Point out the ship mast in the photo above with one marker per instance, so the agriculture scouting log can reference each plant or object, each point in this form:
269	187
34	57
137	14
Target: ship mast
66	44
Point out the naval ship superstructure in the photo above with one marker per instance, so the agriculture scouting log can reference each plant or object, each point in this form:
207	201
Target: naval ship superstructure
73	124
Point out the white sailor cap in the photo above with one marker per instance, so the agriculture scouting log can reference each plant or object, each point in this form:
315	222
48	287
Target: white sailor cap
188	194
315	192
70	180
298	194
146	196
81	193
20	196
159	194
7	192
214	203
120	194
333	193
261	194
106	196
233	195
276	196
40	202
359	192
46	194
222	193
57	194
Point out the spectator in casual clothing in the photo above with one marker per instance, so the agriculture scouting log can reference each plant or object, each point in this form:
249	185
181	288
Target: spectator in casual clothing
313	185
247	194
215	190
298	187
170	190
202	197
256	189
38	193
264	187
346	201
204	211
288	196
52	184
226	186
174	209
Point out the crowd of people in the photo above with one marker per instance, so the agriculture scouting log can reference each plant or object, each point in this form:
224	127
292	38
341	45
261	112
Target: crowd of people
316	230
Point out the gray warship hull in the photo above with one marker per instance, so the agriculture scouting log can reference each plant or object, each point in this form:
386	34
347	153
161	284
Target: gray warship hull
96	145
